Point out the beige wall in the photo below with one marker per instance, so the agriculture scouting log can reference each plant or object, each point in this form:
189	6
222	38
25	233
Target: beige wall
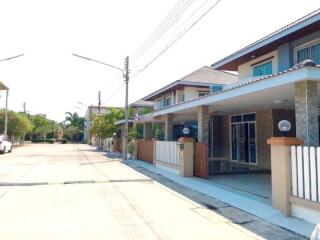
192	92
245	70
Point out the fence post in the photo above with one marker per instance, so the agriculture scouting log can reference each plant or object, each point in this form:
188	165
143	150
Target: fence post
135	149
281	171
186	156
154	141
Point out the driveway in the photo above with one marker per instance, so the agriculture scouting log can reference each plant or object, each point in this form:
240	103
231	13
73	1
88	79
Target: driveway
74	192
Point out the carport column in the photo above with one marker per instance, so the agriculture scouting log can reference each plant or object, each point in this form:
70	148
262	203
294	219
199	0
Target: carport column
281	172
203	124
168	127
147	131
306	109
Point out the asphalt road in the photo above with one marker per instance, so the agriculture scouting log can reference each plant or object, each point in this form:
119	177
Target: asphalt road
74	192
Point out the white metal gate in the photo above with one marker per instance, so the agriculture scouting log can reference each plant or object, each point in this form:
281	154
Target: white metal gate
168	152
305	163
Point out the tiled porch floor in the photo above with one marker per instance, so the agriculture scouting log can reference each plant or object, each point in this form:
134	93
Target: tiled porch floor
257	186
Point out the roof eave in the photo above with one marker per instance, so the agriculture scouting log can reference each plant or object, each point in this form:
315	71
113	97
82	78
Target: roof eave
250	49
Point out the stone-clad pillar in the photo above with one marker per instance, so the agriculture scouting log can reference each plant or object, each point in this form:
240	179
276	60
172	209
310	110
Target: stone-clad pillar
306	110
203	124
147	131
168	127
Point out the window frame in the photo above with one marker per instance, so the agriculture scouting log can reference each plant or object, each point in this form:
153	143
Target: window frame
261	65
308	44
171	101
206	93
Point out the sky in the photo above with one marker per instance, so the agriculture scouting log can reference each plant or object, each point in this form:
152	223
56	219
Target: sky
52	81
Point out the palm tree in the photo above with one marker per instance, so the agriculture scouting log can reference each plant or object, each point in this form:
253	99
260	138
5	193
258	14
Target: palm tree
73	120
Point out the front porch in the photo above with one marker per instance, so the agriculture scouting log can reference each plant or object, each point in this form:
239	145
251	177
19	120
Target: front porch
236	122
233	126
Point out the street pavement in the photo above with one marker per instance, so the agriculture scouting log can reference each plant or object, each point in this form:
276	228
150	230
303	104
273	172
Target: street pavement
72	191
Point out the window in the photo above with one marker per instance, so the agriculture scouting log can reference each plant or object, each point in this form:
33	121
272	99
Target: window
262	69
311	52
168	101
202	94
160	104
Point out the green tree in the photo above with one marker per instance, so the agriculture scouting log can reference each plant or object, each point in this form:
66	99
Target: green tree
104	125
75	125
41	126
18	124
71	133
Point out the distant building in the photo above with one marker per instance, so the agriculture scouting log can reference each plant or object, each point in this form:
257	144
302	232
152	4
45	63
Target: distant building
91	111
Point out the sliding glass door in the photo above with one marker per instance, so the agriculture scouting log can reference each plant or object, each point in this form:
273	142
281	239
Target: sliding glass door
243	138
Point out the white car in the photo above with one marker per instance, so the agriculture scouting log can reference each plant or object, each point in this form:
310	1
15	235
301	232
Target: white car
5	145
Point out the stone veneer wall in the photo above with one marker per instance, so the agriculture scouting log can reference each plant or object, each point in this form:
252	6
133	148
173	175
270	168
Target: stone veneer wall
226	137
283	114
267	127
264	126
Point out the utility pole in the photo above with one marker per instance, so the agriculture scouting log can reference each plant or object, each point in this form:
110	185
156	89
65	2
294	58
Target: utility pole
125	73
6	116
126	125
99	102
24	105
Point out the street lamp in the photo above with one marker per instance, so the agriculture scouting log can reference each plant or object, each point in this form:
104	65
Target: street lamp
125	74
7	95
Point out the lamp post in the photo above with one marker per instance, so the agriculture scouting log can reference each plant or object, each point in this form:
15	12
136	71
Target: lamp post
125	73
7	95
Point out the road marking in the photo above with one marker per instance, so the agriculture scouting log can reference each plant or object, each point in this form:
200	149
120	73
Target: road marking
29	184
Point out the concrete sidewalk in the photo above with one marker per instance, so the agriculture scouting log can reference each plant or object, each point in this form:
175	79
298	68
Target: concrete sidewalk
233	198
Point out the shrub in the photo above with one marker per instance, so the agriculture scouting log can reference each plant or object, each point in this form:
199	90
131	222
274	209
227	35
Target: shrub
37	140
51	140
64	140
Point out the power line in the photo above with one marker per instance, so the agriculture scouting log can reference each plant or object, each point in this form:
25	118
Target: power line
172	19
113	93
179	36
163	22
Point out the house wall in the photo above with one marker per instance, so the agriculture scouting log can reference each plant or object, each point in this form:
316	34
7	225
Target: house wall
192	92
179	96
246	70
264	126
226	137
282	114
284	57
188	92
286	52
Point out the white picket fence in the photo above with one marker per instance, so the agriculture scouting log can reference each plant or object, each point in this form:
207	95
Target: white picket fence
305	163
168	152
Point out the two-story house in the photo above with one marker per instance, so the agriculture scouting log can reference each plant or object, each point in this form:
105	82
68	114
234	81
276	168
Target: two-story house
197	84
279	78
274	82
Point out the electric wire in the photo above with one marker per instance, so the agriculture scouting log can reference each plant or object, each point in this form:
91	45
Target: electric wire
179	36
174	19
